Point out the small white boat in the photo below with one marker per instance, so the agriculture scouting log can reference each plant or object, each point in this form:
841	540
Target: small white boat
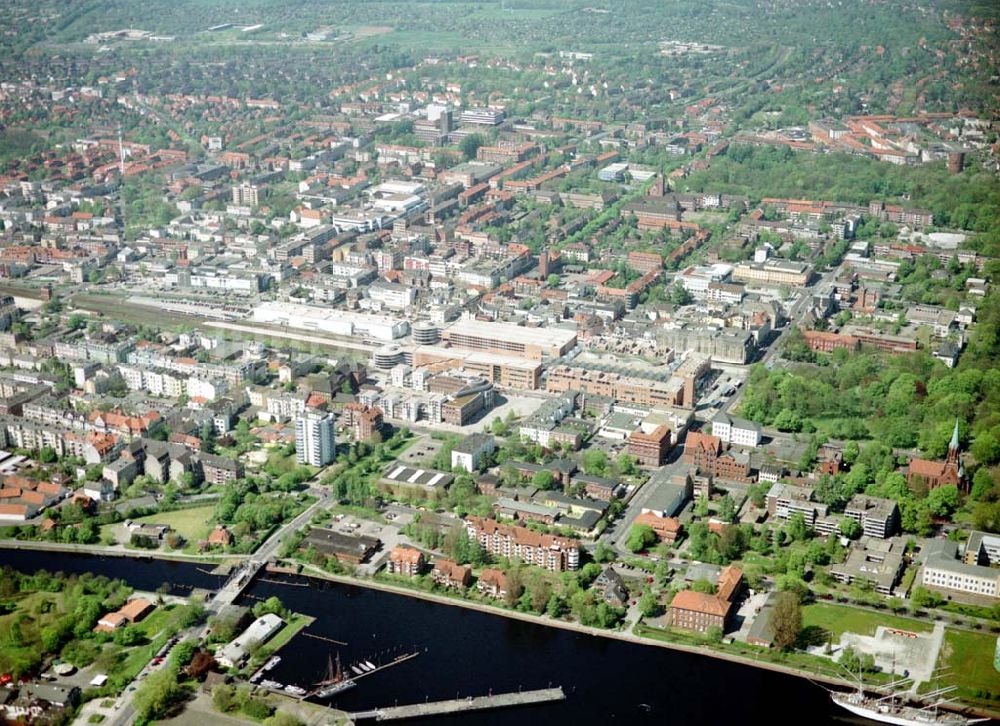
369	665
293	690
357	670
273	685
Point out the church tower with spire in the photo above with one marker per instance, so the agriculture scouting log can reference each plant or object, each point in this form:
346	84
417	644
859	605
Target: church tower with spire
953	447
933	474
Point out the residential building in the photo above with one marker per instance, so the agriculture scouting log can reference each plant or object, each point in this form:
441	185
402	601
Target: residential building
405	561
450	574
365	422
493	582
314	438
544	550
220	469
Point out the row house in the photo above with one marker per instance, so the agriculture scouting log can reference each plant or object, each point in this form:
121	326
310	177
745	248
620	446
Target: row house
450	574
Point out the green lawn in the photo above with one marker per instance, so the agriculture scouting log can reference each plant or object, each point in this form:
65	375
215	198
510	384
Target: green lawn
968	658
192	524
839	619
296	623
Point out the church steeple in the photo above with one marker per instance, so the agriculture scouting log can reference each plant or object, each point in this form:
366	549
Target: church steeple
953	446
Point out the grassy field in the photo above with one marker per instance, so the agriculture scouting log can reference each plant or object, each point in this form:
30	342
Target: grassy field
839	619
192	524
968	658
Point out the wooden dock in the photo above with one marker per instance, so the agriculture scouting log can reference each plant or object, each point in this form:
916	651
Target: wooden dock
461	705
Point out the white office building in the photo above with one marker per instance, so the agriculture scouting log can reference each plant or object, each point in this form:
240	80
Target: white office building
735	430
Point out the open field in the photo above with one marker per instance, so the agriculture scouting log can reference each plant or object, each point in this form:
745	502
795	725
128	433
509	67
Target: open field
192	524
839	619
966	660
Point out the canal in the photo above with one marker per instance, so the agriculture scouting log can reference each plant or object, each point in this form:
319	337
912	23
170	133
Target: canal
465	652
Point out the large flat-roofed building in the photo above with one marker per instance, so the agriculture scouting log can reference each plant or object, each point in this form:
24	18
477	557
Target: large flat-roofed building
982	549
509	339
407	481
878	517
312	318
349	548
774	272
943	570
505	371
677	391
877	561
483	116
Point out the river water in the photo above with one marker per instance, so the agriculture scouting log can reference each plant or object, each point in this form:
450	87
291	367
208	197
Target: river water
465	652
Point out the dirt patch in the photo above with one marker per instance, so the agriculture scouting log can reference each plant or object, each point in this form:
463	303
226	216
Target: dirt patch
366	31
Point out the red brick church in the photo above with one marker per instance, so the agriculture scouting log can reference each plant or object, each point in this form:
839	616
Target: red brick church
933	474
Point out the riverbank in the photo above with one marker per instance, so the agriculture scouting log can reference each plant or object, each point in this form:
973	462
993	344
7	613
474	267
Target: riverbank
628	637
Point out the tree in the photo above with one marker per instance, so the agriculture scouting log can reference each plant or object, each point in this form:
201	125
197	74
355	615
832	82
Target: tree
272	605
680	295
943	500
986	447
982	484
787	420
786	620
470	145
595	462
47	455
727	509
224	697
157	695
553	280
649	604
850	528
714	634
857	662
543	479
796	527
640	537
924	598
603	553
626	464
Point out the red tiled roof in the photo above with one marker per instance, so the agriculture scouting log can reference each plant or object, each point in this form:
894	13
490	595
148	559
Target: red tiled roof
699	602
